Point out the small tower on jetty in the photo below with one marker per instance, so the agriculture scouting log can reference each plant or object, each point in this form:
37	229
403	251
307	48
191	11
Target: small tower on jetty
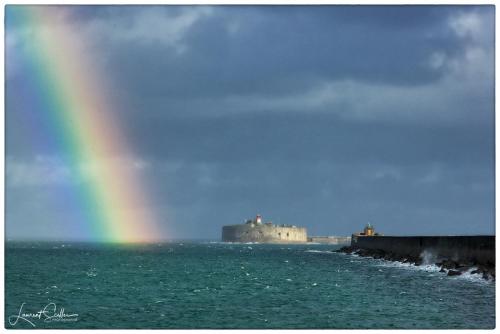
369	230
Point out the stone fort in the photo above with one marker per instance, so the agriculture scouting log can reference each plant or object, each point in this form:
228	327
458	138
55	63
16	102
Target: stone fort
255	230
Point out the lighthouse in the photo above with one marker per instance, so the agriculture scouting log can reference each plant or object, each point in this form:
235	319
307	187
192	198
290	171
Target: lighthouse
258	219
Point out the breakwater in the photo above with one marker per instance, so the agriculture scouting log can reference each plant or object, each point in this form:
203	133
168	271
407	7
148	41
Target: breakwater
454	254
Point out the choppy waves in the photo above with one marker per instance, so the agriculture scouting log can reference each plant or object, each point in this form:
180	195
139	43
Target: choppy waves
216	285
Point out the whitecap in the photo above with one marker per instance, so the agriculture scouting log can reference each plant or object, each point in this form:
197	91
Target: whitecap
92	272
407	265
317	251
476	277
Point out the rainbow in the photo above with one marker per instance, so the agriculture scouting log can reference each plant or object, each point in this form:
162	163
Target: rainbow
69	94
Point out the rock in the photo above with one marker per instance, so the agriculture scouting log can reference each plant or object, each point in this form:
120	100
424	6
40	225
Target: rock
364	252
451	267
449	264
346	249
399	258
461	265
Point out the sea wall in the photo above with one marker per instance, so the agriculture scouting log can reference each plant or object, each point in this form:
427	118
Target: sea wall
264	233
333	240
474	249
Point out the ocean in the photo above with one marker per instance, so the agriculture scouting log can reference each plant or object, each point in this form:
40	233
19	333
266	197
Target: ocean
221	285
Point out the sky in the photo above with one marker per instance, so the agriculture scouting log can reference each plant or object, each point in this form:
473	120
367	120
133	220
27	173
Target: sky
326	117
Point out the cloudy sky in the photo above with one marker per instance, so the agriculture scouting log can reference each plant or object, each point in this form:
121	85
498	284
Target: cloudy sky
321	116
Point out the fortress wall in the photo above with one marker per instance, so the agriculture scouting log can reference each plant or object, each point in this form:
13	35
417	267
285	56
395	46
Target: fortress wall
479	249
263	233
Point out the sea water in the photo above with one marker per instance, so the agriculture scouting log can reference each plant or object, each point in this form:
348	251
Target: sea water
224	285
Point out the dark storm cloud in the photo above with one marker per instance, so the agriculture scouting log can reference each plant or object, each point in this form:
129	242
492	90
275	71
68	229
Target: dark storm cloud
285	49
323	116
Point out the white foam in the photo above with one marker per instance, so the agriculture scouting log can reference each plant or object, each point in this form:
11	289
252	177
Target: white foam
432	268
92	272
318	251
408	265
469	276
